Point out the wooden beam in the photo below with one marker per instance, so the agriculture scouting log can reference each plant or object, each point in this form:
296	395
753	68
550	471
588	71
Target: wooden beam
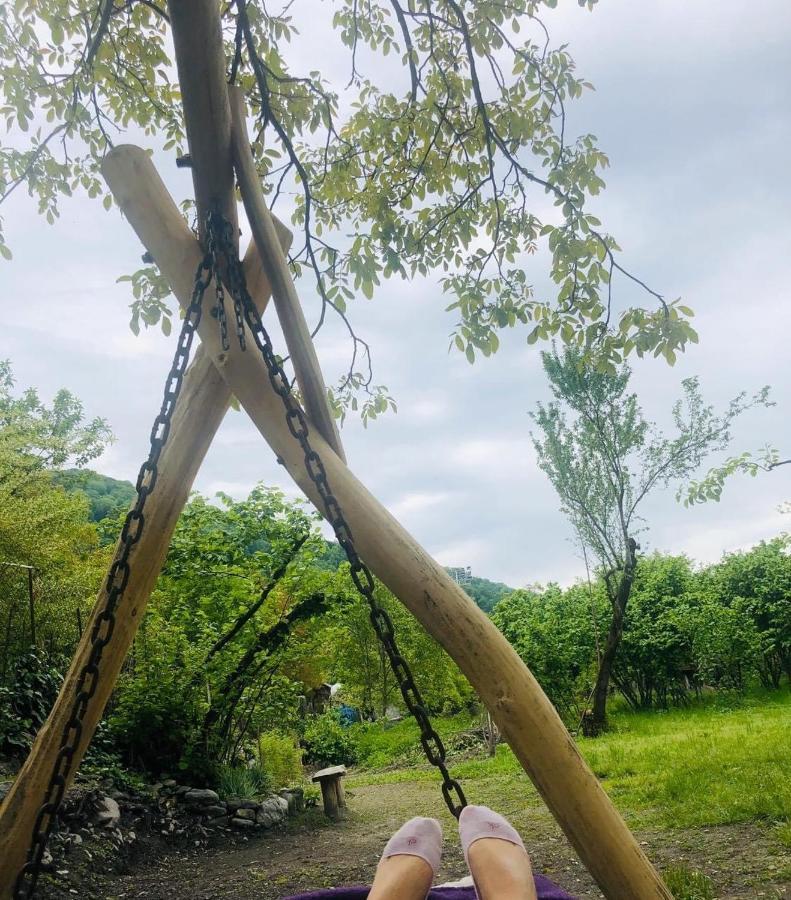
522	711
200	60
200	410
289	309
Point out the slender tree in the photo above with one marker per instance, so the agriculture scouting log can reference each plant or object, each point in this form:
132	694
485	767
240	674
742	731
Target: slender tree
435	155
604	459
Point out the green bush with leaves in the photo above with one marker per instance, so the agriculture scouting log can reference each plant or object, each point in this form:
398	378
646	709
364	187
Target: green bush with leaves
281	757
227	639
26	701
555	633
758	583
359	664
684	629
328	743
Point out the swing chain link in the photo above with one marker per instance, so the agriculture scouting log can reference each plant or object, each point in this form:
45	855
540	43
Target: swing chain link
361	575
117	581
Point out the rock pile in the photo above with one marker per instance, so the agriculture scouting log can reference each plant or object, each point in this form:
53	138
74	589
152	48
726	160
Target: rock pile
93	817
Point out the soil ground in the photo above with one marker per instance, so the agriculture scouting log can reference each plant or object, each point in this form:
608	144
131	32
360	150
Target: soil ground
744	861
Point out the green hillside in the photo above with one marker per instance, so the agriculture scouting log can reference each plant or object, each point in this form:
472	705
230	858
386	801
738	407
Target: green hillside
107	496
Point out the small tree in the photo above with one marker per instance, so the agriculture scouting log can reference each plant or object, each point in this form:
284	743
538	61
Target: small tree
604	458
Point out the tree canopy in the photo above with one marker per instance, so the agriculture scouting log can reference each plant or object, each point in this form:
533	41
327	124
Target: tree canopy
457	161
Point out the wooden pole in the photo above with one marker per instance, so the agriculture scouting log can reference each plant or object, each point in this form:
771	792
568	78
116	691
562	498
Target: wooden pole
525	716
201	407
289	310
200	60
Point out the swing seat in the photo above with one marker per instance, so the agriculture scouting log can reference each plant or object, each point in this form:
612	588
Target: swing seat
545	889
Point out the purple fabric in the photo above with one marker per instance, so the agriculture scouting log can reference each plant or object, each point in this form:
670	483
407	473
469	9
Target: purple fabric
545	889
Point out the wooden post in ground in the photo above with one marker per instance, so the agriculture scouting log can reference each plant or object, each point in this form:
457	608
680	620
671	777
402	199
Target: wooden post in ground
284	294
201	407
525	716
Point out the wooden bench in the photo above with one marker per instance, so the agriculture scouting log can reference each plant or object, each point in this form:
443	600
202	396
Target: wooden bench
332	794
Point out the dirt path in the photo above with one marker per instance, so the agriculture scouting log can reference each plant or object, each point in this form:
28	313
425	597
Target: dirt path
743	861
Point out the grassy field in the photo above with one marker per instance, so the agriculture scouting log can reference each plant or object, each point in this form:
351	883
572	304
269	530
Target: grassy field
707	791
724	761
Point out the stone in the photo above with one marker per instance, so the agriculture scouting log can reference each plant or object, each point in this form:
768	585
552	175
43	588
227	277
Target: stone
201	795
242	823
249	814
272	811
108	812
295	798
5	787
214	811
264	818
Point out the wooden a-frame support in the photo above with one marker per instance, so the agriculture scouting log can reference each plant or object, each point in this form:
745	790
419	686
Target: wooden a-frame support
522	711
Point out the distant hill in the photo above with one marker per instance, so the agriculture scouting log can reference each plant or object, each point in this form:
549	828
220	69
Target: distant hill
107	496
487	594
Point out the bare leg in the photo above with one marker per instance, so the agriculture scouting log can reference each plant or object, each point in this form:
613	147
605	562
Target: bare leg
401	878
408	863
496	856
501	870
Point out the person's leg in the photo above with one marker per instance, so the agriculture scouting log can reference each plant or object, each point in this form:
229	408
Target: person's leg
496	856
409	861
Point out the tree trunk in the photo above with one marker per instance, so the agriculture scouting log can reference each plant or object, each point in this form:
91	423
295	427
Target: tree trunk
597	721
230	692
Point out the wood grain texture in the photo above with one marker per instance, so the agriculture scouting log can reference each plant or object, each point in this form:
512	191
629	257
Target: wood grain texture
284	294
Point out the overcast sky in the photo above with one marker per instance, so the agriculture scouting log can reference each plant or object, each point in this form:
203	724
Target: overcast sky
694	110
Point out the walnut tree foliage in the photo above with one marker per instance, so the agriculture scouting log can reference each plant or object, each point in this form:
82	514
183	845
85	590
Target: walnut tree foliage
445	153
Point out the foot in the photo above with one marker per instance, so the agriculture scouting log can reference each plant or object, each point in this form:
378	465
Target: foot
409	861
495	855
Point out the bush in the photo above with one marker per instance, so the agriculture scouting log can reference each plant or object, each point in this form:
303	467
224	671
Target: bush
328	743
280	756
244	784
26	701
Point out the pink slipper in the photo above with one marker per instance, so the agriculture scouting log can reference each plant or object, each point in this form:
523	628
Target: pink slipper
476	822
417	837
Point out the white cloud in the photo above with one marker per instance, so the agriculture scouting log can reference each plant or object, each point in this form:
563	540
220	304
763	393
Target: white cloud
411	504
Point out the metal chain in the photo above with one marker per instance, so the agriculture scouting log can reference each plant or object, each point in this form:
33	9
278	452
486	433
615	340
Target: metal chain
360	573
117	581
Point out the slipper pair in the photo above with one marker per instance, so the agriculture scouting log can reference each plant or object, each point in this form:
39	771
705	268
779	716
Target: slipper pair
423	837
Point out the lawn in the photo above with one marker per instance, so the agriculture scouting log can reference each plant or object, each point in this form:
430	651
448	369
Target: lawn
723	761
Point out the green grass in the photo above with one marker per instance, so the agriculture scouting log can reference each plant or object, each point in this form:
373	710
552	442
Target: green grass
687	884
243	784
397	744
721	762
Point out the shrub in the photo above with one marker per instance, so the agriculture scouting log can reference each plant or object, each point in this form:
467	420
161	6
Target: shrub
244	784
280	756
328	743
26	701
